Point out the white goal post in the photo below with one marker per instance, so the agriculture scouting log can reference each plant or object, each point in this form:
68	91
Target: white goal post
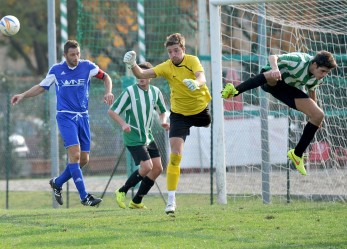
217	103
252	134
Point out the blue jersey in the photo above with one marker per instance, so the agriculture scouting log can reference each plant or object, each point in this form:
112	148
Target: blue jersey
71	84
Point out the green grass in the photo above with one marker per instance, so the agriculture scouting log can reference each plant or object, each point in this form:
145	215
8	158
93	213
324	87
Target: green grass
30	222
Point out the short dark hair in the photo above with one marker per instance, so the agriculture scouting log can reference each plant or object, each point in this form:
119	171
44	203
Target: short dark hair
324	59
145	65
174	39
70	44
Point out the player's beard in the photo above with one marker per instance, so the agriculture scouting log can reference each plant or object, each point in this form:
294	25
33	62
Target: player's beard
72	62
176	61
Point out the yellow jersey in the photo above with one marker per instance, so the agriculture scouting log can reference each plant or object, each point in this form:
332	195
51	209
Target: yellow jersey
184	101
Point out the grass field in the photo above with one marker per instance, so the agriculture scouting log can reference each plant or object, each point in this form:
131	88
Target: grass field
30	222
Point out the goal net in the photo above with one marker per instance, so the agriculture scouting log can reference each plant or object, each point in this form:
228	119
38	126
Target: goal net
106	31
258	130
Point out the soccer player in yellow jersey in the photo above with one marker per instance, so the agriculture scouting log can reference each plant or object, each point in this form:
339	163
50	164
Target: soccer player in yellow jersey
189	101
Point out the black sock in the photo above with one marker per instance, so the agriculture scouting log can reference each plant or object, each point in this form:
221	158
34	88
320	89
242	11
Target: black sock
306	138
251	83
145	186
133	179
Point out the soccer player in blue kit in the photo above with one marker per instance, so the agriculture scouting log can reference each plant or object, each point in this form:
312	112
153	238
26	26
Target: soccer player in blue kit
71	78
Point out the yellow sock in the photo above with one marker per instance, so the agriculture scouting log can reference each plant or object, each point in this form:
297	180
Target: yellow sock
173	172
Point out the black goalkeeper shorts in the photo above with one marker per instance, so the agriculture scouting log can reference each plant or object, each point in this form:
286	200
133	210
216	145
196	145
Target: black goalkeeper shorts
180	124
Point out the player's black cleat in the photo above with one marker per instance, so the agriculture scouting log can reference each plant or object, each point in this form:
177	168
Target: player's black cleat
90	200
57	191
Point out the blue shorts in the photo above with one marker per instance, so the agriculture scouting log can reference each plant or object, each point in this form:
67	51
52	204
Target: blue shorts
74	129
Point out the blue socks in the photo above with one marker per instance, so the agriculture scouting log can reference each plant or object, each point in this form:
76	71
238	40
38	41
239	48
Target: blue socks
77	177
73	170
64	177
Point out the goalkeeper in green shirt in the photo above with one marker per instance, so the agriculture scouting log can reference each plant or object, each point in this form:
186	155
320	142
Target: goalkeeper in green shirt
138	102
283	77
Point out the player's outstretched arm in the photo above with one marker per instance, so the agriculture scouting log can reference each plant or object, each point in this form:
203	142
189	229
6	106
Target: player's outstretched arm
32	92
130	61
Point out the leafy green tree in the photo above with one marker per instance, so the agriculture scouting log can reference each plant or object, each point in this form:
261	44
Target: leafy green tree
30	43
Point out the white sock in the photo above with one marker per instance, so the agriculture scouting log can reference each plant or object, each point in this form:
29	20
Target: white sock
171	196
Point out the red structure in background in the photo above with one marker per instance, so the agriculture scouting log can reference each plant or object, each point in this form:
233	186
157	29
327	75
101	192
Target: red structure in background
233	104
340	155
320	151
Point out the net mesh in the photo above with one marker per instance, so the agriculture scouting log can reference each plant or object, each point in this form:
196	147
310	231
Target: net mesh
107	30
292	26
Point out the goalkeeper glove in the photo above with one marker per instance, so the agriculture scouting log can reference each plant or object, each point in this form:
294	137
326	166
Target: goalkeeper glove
191	84
130	59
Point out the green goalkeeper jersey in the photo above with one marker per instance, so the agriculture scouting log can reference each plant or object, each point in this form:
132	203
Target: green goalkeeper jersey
139	107
294	68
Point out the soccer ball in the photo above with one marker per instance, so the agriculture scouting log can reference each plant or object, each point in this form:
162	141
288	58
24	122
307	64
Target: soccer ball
9	25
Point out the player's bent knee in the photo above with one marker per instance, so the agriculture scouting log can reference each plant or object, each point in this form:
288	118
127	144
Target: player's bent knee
157	168
318	117
156	171
175	159
146	167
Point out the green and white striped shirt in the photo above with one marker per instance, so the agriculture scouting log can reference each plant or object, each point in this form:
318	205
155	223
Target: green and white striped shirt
139	106
294	68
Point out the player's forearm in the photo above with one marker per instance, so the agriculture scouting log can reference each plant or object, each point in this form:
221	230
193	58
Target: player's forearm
273	62
141	73
163	117
163	121
116	118
108	84
34	91
200	78
136	71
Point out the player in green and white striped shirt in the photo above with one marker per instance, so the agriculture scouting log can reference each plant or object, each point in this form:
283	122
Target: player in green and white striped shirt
283	77
139	102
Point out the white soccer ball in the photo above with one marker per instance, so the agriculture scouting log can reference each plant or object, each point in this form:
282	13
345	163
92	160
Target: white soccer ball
9	25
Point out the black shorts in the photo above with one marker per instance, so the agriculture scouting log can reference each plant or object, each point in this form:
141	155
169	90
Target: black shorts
143	152
285	93
180	124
